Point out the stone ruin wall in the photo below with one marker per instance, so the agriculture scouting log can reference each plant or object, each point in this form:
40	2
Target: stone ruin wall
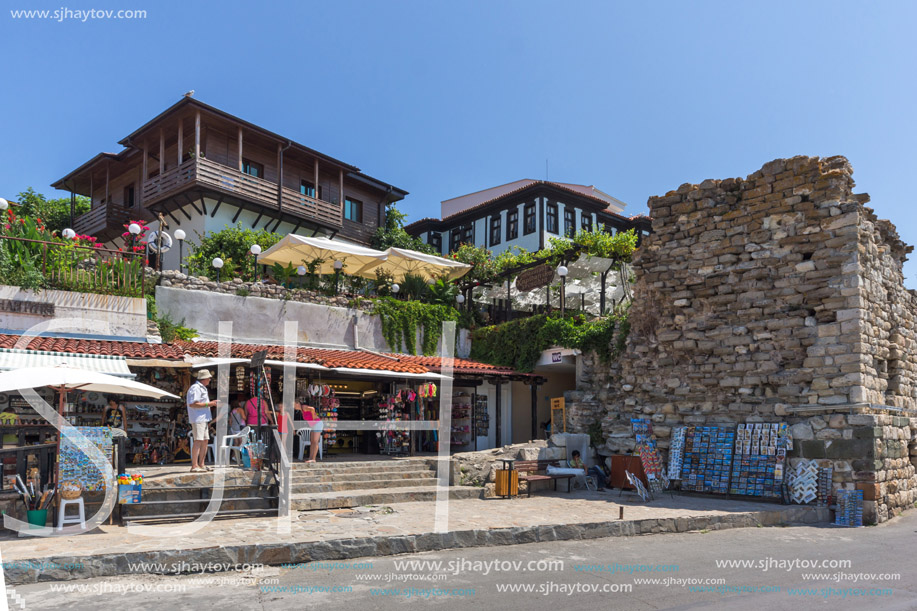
778	297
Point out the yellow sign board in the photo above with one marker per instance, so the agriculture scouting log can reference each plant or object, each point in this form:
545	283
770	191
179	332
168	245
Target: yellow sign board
558	415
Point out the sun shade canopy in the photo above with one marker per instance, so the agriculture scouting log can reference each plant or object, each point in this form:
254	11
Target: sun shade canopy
299	250
399	261
76	379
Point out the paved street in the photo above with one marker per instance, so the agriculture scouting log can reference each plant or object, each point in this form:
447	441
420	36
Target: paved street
606	573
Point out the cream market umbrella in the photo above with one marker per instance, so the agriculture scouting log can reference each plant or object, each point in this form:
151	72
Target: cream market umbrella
299	250
399	261
64	379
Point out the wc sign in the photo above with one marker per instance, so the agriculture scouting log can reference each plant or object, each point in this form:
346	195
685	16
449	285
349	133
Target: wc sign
557	357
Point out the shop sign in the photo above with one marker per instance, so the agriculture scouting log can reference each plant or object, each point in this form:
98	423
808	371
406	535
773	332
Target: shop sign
534	278
18	306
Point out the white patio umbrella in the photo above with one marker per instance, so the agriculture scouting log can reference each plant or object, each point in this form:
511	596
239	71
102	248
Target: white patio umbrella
298	250
68	378
64	379
400	261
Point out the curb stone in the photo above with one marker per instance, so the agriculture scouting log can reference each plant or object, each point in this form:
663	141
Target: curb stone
107	565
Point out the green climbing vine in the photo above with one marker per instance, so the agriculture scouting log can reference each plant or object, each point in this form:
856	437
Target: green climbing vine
401	321
519	344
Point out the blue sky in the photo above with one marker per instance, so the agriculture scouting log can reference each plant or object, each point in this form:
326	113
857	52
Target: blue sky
445	98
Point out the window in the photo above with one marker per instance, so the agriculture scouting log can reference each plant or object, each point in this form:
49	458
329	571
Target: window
552	218
569	216
308	189
586	221
468	233
512	224
252	168
455	239
496	230
529	219
353	210
435	239
129	196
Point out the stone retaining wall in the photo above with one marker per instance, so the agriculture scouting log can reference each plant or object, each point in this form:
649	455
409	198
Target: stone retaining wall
774	298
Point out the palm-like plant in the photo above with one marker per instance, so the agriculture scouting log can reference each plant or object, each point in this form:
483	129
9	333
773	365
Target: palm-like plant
443	292
414	287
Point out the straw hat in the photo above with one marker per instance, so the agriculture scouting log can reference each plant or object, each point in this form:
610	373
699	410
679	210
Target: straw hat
203	374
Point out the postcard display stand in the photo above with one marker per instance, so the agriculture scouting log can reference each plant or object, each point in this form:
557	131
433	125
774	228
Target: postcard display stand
649	454
708	459
747	461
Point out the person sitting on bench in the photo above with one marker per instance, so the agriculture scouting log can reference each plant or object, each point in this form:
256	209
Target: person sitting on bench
594	471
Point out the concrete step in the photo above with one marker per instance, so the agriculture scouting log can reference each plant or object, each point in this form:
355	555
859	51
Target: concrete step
300	477
344	485
378	496
366	464
311	469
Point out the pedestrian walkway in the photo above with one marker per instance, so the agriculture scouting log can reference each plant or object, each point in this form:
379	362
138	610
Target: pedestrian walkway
384	530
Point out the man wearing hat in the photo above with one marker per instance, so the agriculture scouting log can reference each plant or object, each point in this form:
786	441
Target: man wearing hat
199	405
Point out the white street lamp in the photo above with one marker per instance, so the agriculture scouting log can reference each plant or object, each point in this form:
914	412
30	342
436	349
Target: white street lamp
301	270
134	229
395	288
217	265
180	236
562	271
338	265
255	250
460	298
68	233
4	204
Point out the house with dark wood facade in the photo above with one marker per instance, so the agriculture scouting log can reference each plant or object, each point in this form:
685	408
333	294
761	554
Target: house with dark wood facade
525	213
203	169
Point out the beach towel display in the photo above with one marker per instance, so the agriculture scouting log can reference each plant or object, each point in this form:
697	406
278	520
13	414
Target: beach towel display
75	464
649	454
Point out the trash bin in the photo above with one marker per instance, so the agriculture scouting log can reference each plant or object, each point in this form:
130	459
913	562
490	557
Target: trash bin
507	480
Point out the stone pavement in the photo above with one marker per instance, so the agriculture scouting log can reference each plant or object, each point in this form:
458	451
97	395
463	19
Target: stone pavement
385	530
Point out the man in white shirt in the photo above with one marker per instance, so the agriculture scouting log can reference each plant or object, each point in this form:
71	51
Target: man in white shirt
199	405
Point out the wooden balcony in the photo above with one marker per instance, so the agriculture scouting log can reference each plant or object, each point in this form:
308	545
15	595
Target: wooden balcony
206	175
105	221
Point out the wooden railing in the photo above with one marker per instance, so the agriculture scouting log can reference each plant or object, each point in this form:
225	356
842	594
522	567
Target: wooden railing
325	212
231	180
169	181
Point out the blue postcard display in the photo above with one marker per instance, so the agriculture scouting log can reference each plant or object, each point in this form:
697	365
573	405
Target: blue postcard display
75	464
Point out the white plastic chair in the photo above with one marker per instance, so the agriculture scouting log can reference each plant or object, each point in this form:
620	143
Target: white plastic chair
306	440
227	447
211	447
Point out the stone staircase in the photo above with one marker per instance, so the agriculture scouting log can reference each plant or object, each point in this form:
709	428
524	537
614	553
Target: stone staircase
339	484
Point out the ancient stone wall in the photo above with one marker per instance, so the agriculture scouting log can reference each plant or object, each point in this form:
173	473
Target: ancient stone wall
774	298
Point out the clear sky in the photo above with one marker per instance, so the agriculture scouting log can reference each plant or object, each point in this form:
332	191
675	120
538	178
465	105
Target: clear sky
445	98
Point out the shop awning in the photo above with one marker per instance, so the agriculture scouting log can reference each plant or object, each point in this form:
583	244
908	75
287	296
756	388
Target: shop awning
12	358
384	373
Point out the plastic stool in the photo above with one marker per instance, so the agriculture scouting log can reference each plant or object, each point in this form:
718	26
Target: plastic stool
63	518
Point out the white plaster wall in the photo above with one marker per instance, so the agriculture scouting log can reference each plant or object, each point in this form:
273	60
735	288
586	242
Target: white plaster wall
261	320
91	314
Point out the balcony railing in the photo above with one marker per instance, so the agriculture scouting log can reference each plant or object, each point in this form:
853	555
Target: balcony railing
102	217
230	180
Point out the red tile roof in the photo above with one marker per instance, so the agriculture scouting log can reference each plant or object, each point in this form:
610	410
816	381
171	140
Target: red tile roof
462	366
351	359
132	350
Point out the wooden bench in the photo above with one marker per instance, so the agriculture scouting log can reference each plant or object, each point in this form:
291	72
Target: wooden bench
536	471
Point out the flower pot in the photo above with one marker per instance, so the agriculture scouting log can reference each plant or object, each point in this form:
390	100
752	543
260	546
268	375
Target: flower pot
37	518
256	464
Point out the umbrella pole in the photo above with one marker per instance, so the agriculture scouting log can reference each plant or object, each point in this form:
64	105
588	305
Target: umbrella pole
62	391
